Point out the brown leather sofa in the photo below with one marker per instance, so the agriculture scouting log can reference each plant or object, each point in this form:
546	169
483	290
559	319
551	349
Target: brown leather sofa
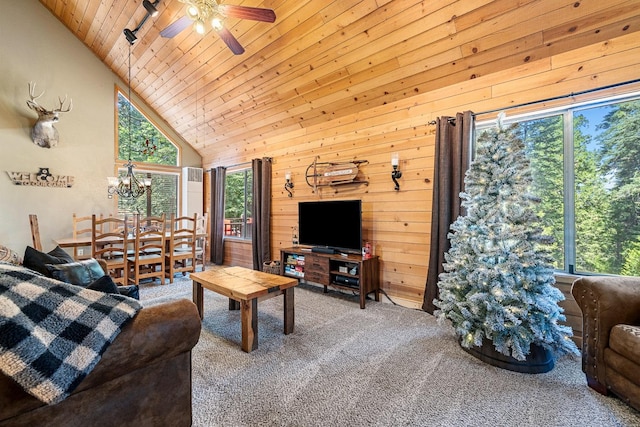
611	334
143	378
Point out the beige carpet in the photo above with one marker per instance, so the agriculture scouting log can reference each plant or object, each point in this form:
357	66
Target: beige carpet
382	366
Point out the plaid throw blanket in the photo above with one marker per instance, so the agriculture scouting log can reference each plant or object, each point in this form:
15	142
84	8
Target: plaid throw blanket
52	334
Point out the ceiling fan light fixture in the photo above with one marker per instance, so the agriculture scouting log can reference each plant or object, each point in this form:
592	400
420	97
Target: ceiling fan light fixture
199	26
216	23
192	12
199	12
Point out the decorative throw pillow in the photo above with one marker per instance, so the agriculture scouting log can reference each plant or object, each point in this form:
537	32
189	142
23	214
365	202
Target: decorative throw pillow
10	256
81	273
104	284
131	291
61	254
37	261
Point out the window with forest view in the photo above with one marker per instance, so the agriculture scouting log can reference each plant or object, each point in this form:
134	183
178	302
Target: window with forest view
136	135
238	204
585	165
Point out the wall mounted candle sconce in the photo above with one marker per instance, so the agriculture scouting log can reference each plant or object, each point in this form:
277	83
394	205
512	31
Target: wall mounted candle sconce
288	185
395	173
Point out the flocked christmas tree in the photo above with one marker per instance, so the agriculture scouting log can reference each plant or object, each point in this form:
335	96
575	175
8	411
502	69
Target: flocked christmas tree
498	280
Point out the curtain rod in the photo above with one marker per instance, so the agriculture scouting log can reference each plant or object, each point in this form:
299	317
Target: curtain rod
555	98
449	119
242	164
232	166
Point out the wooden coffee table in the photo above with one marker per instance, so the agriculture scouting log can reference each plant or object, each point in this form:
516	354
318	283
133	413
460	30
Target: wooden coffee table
244	287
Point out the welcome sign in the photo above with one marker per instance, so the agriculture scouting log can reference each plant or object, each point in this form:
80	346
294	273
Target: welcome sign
43	178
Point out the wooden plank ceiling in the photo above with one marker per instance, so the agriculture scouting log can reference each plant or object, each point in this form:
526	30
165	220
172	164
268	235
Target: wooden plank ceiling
322	60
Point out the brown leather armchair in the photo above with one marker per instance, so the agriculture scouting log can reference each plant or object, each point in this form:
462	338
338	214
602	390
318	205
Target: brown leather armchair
142	379
611	334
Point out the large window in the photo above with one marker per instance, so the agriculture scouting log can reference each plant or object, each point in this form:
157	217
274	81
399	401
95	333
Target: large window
585	163
163	197
154	155
238	204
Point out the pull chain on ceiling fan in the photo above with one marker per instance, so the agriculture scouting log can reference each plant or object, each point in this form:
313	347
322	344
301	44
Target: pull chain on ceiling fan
201	12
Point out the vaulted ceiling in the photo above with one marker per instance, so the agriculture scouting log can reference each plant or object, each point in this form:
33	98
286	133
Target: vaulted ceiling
324	59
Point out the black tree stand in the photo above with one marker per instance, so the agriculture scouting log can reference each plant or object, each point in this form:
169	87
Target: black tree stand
538	361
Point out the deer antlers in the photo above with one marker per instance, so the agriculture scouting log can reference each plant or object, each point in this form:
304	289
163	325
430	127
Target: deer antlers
43	133
32	88
35	106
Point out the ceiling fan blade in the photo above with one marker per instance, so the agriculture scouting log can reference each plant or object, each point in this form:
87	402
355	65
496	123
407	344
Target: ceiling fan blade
246	12
175	28
230	41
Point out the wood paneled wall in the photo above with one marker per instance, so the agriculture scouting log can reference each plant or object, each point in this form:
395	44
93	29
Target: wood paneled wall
322	62
398	222
237	253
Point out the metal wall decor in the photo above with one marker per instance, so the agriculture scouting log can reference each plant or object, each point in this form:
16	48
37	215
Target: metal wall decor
324	174
43	178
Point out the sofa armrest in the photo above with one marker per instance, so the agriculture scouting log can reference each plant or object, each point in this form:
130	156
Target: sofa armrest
605	301
156	333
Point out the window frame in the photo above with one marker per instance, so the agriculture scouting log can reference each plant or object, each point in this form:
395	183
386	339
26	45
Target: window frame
567	111
246	230
141	167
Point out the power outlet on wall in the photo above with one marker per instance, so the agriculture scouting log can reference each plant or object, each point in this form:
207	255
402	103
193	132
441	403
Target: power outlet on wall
80	252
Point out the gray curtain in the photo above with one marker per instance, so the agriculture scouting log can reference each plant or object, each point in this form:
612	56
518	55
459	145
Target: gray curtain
216	221
261	212
453	140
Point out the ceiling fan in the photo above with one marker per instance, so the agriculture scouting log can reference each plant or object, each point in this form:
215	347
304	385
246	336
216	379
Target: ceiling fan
199	12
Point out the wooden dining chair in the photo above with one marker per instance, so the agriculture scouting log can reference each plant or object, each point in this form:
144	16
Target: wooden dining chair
35	232
110	242
181	252
202	232
148	258
82	227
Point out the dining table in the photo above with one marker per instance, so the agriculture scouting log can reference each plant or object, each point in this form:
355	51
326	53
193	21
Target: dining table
84	241
81	241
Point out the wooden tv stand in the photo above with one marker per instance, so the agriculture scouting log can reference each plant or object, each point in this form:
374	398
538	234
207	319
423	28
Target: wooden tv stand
346	272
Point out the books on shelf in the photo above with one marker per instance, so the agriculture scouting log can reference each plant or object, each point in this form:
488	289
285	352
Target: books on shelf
294	265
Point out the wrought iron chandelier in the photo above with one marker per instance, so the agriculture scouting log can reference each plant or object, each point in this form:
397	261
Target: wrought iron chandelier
129	187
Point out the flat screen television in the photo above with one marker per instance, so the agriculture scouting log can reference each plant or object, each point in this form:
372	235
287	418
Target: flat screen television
331	225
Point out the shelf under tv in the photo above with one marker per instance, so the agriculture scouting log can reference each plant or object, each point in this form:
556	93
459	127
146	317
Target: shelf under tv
331	269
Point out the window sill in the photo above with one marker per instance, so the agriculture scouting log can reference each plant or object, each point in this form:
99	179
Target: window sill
236	239
566	278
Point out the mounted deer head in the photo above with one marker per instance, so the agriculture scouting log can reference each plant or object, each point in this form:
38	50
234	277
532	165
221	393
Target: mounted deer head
43	133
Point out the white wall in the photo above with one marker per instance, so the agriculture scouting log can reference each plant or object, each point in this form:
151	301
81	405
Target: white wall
35	46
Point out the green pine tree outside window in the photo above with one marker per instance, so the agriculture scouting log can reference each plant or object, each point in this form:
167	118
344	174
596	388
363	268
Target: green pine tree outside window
165	186
585	164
